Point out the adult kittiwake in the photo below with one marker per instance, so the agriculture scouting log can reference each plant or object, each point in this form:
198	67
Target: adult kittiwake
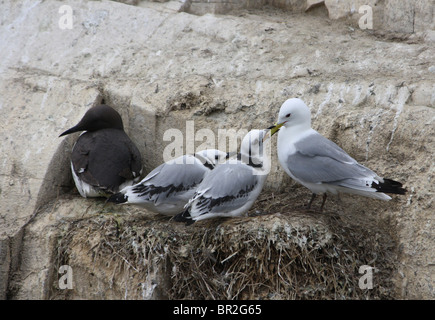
318	163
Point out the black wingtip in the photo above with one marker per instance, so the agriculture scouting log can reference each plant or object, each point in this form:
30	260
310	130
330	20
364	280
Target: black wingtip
184	217
118	198
390	186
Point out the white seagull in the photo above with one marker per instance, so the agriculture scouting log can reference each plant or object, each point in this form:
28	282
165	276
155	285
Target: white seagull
318	163
232	187
168	188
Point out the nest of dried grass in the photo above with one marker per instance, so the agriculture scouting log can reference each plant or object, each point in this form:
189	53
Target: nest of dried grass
282	255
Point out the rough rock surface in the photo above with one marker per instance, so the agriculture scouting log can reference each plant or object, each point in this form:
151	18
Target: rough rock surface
371	91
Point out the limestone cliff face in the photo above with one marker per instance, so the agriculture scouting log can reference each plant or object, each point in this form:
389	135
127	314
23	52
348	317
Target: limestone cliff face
222	66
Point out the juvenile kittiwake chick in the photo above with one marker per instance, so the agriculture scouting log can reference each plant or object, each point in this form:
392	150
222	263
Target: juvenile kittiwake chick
168	188
318	163
232	187
103	159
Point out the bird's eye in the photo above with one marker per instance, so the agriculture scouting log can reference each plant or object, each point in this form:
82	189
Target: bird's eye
288	115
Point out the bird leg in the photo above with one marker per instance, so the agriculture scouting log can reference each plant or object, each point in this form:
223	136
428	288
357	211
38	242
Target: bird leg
311	201
323	202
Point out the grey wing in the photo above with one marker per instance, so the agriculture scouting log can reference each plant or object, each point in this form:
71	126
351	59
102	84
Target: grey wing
317	145
226	188
318	159
169	180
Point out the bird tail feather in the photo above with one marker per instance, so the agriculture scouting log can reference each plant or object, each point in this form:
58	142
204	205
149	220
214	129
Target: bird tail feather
184	217
118	198
389	186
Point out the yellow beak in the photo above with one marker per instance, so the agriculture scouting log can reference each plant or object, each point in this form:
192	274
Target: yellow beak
275	128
